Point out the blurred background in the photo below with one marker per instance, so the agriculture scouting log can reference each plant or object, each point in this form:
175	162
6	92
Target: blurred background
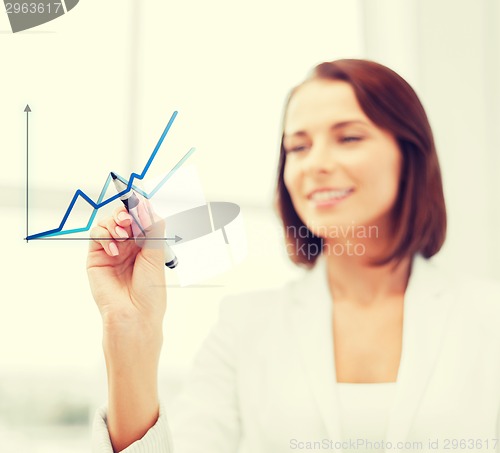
102	82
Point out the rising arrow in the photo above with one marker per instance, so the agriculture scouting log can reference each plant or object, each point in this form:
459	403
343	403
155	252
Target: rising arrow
27	110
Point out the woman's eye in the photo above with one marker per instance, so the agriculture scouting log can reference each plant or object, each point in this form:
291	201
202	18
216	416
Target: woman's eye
350	138
295	149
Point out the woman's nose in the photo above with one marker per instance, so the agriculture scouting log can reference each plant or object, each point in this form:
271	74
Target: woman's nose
321	159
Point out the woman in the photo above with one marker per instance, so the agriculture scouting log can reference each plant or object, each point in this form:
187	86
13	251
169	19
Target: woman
375	347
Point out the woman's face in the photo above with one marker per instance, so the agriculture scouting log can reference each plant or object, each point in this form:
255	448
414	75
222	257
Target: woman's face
341	169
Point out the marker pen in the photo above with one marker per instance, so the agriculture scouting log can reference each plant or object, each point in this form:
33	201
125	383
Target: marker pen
131	202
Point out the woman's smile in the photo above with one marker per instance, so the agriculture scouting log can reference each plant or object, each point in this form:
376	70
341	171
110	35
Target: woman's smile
325	198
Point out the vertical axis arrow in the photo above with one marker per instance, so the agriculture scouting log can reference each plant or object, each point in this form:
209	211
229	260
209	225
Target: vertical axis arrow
27	110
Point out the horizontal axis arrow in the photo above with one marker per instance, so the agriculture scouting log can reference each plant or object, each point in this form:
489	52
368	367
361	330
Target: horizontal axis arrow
175	238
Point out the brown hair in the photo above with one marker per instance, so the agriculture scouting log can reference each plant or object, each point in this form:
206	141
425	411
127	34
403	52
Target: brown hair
419	213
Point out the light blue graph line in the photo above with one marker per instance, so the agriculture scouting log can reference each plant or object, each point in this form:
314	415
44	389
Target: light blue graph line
100	202
163	181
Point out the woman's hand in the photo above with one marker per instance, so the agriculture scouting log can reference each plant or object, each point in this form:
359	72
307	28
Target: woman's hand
127	281
128	285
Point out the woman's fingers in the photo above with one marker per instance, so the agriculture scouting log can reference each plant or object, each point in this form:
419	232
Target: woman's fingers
122	217
102	239
121	227
118	231
110	231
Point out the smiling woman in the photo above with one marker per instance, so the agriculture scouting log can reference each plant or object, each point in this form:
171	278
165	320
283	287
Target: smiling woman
374	348
357	138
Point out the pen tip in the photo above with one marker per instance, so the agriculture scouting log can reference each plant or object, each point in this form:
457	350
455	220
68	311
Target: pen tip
113	175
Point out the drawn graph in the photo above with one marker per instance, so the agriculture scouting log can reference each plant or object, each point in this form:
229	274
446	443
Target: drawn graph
103	202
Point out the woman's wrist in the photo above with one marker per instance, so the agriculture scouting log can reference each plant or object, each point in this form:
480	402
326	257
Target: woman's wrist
133	346
132	354
125	328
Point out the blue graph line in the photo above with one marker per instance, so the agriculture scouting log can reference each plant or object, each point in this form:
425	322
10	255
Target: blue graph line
100	202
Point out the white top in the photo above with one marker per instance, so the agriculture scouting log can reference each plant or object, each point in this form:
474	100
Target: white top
264	379
364	414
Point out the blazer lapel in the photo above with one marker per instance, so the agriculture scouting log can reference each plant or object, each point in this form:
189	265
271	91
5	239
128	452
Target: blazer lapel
311	320
426	310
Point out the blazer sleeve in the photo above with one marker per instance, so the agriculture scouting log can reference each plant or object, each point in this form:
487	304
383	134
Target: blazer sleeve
158	439
205	416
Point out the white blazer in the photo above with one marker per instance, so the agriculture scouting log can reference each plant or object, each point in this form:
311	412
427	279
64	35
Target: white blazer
264	380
